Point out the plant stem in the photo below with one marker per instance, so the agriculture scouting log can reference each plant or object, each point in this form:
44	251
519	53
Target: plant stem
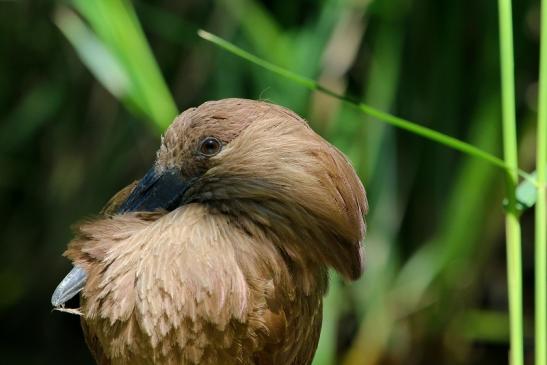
541	204
401	123
513	232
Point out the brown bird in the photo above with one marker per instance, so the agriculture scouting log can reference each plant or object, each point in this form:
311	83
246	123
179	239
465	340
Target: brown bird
219	254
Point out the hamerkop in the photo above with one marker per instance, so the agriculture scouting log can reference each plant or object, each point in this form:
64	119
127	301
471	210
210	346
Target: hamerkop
219	254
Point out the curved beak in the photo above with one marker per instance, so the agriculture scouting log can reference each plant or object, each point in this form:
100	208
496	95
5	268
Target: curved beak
71	285
154	191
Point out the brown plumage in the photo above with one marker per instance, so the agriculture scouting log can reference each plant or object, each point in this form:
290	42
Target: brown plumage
231	268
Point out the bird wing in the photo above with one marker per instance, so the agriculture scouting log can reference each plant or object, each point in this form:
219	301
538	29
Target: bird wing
112	206
255	311
94	344
293	332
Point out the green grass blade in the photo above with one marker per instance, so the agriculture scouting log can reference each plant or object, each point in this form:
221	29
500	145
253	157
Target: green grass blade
484	326
326	349
304	81
513	230
541	204
439	258
302	50
452	243
117	26
381	91
100	61
527	193
412	127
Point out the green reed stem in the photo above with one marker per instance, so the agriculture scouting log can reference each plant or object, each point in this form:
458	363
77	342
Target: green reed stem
401	123
541	203
513	231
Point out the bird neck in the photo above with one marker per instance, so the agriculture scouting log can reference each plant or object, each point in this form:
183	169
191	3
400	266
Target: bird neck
294	240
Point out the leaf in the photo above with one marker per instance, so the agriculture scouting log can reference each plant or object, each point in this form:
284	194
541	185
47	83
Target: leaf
100	61
395	121
118	54
526	194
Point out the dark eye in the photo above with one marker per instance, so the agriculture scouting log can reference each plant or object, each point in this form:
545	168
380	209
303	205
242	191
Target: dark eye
210	146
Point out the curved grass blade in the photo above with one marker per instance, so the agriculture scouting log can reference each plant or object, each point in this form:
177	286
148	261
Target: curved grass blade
100	61
401	123
117	29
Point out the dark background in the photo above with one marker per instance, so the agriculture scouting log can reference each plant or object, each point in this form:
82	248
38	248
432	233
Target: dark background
435	286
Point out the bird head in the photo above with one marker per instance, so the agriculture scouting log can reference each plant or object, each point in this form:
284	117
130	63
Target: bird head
262	164
265	168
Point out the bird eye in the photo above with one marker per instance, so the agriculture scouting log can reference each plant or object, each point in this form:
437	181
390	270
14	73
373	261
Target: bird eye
210	146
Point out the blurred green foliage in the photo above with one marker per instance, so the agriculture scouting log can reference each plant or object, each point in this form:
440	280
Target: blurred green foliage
434	290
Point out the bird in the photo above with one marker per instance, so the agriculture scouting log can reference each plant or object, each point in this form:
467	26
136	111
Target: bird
221	253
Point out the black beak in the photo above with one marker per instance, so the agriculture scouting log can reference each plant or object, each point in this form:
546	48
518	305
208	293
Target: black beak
157	191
